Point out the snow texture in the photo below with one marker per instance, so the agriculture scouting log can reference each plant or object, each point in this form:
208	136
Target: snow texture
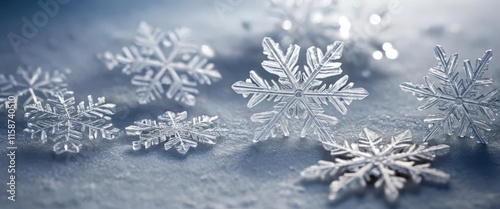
162	59
299	94
65	124
172	129
357	164
466	110
30	85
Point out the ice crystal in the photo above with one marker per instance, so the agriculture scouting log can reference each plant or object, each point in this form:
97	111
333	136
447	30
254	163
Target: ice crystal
164	63
65	124
299	94
318	22
173	129
30	86
461	99
369	160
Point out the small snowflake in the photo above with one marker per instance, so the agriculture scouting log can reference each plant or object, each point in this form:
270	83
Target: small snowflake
172	129
160	59
463	101
368	160
299	94
60	121
34	86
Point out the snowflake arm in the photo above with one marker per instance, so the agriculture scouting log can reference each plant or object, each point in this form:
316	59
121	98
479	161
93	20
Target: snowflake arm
298	94
33	86
66	124
164	64
461	99
172	129
356	164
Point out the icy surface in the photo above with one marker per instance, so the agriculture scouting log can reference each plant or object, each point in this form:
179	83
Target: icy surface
237	173
371	158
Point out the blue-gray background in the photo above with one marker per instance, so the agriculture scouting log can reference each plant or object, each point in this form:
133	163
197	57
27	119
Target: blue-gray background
236	173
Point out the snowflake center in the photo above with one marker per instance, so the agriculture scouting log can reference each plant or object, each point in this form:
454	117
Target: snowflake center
459	101
298	93
377	159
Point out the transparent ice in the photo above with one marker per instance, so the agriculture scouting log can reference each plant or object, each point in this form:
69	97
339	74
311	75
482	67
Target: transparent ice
298	94
31	86
60	121
467	106
173	129
371	160
164	64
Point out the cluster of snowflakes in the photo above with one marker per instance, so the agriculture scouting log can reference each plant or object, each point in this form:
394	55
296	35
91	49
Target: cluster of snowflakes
168	64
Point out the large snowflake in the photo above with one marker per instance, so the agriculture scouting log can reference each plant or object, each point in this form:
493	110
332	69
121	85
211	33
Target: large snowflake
173	129
30	86
462	101
60	121
299	94
387	164
160	59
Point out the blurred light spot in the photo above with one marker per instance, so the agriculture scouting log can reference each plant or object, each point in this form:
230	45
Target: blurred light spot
387	46
366	73
345	27
392	54
375	19
377	55
207	51
316	18
287	25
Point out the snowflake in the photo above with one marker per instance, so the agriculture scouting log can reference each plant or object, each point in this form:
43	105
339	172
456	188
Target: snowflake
161	59
299	94
172	129
369	160
34	86
461	100
66	124
317	22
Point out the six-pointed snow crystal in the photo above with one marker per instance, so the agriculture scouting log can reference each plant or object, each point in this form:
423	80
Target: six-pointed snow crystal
465	102
299	94
31	85
173	129
387	164
60	121
164	64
